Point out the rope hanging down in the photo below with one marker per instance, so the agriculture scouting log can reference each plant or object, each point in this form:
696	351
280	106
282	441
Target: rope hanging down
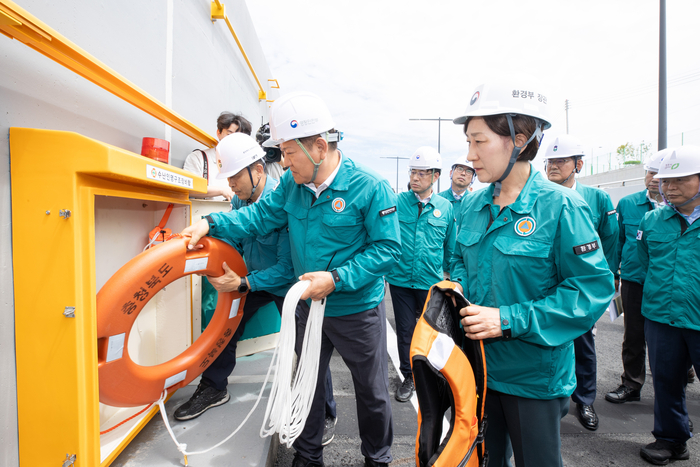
290	401
289	405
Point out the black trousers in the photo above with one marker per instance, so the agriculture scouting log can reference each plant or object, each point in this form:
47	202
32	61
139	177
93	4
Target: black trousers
360	339
408	306
529	429
302	316
634	346
586	371
672	351
218	372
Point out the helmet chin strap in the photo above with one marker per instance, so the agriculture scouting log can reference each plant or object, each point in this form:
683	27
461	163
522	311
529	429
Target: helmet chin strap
575	171
316	165
255	185
516	152
676	206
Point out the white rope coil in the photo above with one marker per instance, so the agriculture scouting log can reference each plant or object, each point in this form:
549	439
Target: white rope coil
290	401
289	405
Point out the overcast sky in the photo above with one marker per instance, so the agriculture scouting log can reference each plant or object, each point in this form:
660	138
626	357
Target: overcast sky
378	63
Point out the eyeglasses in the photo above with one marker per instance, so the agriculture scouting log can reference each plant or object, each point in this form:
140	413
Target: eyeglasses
420	173
460	169
559	162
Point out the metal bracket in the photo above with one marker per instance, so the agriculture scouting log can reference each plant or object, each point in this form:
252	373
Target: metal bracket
70	460
64	213
69	312
218	10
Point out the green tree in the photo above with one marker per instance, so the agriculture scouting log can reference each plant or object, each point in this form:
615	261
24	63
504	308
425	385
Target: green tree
628	154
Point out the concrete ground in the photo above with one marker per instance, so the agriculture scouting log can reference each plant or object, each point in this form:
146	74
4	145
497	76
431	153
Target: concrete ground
623	430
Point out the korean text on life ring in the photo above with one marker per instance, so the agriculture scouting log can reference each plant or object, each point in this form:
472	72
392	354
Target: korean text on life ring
124	383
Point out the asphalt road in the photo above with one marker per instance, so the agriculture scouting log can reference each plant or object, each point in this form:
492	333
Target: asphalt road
623	430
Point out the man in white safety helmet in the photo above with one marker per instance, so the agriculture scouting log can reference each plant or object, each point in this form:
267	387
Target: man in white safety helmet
461	179
630	212
344	235
667	244
427	240
564	159
268	257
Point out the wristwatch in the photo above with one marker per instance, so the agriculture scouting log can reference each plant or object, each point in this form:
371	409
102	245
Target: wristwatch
243	288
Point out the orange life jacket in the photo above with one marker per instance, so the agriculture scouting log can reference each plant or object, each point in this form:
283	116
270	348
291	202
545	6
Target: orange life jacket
449	372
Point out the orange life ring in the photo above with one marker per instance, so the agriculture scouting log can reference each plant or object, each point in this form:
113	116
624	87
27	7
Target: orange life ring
123	383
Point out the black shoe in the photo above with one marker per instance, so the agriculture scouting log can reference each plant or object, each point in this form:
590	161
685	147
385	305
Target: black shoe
299	461
660	452
371	463
587	416
405	392
328	430
691	375
623	394
204	398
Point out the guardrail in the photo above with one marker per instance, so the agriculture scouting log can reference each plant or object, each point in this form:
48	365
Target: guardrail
621	182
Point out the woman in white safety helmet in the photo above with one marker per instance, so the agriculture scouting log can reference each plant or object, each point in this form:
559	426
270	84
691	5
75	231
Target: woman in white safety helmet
528	259
667	244
302	117
239	157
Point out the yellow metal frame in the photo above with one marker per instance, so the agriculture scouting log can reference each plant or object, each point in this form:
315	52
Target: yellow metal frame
54	267
218	11
17	23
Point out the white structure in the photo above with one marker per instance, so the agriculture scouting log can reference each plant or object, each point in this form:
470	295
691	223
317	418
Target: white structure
172	51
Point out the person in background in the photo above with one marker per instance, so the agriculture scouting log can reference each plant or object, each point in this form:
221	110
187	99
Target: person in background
203	162
528	258
630	212
274	162
461	180
564	159
667	245
344	235
427	240
268	258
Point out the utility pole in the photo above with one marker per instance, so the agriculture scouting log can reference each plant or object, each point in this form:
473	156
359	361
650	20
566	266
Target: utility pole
663	125
439	120
566	107
397	168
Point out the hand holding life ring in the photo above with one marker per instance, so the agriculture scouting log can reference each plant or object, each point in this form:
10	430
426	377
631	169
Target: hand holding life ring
123	383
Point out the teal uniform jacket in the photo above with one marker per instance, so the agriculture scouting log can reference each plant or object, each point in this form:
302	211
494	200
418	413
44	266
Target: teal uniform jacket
672	263
268	257
604	221
427	241
456	203
539	261
630	212
352	228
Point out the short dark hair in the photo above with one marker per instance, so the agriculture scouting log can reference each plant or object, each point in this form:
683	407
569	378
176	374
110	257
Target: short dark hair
260	161
309	141
522	124
226	119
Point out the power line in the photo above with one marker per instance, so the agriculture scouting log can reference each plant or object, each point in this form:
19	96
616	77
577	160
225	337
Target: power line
635	92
